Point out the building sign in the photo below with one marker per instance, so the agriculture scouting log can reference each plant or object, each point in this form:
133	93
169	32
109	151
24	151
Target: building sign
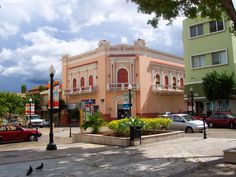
28	110
55	97
89	101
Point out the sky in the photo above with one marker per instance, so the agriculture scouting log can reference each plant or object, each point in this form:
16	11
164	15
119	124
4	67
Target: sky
36	33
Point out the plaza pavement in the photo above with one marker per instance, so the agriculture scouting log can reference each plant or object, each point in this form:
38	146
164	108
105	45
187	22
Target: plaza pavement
181	157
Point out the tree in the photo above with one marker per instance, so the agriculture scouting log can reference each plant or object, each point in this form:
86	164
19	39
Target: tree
11	103
170	9
42	88
218	87
23	88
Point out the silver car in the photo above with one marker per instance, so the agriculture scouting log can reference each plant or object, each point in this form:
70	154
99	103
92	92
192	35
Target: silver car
187	123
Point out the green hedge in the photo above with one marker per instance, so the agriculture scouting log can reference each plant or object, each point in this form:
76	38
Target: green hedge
121	127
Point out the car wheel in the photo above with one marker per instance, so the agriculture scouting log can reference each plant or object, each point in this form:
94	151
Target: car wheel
210	125
189	130
32	138
231	125
1	141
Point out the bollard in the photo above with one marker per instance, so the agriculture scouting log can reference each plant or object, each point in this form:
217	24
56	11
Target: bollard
36	137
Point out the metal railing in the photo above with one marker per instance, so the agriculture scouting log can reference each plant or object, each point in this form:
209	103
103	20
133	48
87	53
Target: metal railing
170	88
81	90
122	86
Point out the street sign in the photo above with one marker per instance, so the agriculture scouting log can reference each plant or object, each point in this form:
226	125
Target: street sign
29	110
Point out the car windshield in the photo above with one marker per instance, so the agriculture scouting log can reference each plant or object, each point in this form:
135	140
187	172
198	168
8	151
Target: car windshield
187	117
231	115
34	117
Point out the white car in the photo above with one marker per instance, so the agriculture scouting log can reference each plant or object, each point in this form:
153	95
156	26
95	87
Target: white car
35	121
187	123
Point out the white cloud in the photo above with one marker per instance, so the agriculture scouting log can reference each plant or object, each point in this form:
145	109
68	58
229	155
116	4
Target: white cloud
6	54
33	61
46	30
124	40
1	69
7	30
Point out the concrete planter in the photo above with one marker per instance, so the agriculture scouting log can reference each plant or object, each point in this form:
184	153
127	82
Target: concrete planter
123	141
230	156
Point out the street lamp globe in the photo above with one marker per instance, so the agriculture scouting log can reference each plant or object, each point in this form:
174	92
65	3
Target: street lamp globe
30	100
130	87
51	70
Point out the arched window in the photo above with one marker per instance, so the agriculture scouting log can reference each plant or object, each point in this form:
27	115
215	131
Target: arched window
174	83
122	76
74	84
181	83
82	82
166	82
91	80
157	79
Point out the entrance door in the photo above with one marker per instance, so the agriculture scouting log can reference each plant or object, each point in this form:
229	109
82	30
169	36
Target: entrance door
122	113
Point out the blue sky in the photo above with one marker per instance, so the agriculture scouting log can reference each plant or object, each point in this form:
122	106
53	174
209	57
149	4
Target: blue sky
35	34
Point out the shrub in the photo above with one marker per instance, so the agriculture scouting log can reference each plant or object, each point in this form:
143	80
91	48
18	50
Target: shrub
94	121
121	127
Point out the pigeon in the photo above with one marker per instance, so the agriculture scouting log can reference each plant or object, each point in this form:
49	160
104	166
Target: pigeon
29	171
40	167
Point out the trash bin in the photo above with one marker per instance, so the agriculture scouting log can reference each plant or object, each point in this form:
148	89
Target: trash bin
135	133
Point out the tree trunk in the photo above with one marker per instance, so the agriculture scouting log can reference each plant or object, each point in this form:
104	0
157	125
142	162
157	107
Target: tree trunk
230	10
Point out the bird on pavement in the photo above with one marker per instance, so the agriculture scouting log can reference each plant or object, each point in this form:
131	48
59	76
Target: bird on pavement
40	167
29	171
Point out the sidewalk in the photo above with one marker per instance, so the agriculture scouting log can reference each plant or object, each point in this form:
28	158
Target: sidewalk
188	156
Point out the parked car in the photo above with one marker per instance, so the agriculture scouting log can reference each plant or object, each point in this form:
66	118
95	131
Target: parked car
193	114
167	113
46	123
187	123
221	119
13	133
35	121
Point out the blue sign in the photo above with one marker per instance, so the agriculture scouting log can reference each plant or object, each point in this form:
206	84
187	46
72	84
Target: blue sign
126	106
89	101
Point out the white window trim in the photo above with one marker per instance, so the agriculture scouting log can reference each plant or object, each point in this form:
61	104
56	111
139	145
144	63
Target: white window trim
209	52
207	34
123	67
227	62
189	31
191	61
217	27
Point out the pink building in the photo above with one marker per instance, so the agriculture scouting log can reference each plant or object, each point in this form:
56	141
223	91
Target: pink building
99	79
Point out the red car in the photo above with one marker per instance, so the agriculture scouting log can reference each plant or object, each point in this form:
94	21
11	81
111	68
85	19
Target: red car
221	119
12	133
193	114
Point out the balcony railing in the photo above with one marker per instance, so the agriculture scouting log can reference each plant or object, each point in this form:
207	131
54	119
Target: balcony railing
167	89
81	90
122	86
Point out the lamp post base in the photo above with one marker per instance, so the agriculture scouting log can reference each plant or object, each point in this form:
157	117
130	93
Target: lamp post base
51	146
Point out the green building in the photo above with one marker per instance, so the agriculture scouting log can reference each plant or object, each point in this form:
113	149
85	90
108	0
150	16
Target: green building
208	46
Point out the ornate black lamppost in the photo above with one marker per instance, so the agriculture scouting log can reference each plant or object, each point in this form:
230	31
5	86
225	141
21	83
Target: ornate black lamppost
204	128
51	145
90	106
191	96
30	101
130	103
